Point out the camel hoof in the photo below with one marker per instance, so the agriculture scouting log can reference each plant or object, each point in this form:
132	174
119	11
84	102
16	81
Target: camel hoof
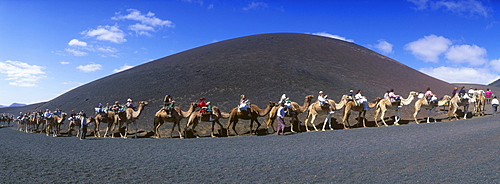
323	130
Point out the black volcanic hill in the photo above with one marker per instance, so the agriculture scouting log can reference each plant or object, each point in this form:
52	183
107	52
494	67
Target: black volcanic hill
262	67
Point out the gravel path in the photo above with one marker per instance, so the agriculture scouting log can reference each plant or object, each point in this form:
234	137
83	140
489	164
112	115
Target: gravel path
464	151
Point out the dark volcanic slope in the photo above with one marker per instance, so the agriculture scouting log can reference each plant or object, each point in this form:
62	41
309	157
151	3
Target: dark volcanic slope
261	66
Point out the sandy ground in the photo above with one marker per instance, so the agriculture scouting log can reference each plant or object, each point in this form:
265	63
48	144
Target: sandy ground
464	151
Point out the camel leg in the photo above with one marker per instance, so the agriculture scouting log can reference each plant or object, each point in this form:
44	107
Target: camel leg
179	130
257	128
312	123
415	114
308	119
270	122
346	119
376	115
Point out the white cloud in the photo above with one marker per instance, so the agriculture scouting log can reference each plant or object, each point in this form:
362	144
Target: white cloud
461	75
141	29
333	36
495	64
75	52
107	49
124	67
421	4
384	47
75	42
64	62
460	7
429	48
89	68
22	74
473	55
255	5
148	19
107	33
472	7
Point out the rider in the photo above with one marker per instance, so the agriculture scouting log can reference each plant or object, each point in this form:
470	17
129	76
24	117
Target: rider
430	96
393	97
360	99
323	99
129	104
168	104
244	105
287	104
203	105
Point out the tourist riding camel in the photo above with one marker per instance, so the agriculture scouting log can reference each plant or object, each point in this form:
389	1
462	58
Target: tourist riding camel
213	117
295	110
316	109
177	115
252	113
358	107
132	115
385	104
430	106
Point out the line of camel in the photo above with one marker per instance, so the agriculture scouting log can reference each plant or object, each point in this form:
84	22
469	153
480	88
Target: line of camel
194	116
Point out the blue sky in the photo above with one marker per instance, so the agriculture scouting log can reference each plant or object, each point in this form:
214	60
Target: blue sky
50	47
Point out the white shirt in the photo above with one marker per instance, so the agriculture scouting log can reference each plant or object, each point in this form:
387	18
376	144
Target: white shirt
494	101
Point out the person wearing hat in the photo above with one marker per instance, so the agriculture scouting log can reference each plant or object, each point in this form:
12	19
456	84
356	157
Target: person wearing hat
494	104
323	101
129	104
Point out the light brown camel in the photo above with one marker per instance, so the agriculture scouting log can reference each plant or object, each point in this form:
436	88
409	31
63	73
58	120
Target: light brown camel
386	104
455	103
112	119
480	103
296	110
176	116
316	109
131	117
351	106
255	112
422	102
58	121
197	116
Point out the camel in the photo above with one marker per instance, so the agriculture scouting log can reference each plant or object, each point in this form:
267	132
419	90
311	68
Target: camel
296	110
454	104
316	109
385	104
255	112
177	115
351	105
112	119
58	121
422	102
197	116
131	117
480	103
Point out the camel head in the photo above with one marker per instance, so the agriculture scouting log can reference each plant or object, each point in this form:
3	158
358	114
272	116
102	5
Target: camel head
309	97
143	103
413	93
271	104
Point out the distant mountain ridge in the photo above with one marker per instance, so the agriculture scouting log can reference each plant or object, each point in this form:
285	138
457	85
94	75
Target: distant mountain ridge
13	105
262	67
